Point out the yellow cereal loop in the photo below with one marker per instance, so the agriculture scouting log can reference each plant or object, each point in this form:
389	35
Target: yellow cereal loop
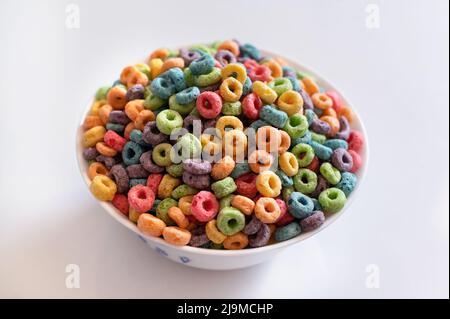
155	67
268	184
103	188
235	145
234	70
213	233
184	203
231	90
229	122
266	94
96	106
288	163
133	215
167	185
93	136
290	102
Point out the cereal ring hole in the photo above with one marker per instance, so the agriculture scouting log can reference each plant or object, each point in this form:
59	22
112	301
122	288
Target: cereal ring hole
232	223
207	205
332	195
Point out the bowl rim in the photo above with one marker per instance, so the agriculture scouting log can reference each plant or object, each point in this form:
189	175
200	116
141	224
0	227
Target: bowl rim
331	218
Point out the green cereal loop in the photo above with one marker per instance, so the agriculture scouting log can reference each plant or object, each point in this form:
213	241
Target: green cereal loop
305	181
230	221
280	85
168	120
183	109
223	187
232	108
201	47
187	146
183	190
102	93
152	102
331	174
175	170
195	112
300	75
163	208
161	154
332	200
215	44
189	78
308	152
286	192
208	79
319	138
215	246
173	53
225	201
296	126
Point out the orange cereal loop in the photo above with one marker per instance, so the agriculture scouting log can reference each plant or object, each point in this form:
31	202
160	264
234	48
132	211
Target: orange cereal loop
103	113
223	168
96	106
178	217
116	97
329	112
235	242
176	236
244	204
268	184
235	144
184	203
95	169
126	133
267	210
285	142
310	86
90	121
143	118
105	150
333	122
321	101
161	53
155	67
150	225
127	72
137	78
172	63
213	233
260	161
275	68
348	113
268	139
133	108
229	45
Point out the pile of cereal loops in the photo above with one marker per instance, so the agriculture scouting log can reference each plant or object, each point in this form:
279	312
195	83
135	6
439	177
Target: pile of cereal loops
217	146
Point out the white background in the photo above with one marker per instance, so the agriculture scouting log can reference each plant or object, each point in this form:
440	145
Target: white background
396	76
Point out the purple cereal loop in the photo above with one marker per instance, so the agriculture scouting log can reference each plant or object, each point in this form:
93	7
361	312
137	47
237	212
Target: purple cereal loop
320	127
253	226
188	56
90	153
344	131
147	163
307	102
188	123
322	185
342	160
197	167
198	240
118	117
209	124
213	87
120	176
137	171
225	57
151	135
106	160
289	73
261	238
136	92
313	221
196	181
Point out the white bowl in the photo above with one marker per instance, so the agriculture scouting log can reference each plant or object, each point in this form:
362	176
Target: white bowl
231	259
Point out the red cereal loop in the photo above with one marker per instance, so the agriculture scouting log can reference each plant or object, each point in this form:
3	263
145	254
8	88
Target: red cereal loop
337	102
120	201
246	185
250	64
209	104
114	140
260	73
315	165
285	218
251	106
153	181
141	198
357	161
204	206
355	141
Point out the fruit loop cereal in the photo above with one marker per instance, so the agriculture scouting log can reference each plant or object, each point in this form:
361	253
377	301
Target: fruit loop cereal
220	147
